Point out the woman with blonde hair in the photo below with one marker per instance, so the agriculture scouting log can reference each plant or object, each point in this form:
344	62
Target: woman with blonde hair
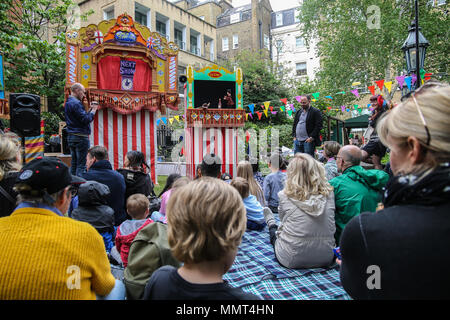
9	169
305	237
245	170
408	241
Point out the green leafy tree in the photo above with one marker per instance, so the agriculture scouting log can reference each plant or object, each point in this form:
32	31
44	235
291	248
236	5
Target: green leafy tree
32	39
360	40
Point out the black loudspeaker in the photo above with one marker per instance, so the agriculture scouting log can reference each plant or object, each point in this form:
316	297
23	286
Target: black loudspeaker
65	145
25	113
182	79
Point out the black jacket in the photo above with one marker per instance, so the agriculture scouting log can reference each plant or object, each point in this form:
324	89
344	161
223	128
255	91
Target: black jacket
313	124
136	182
408	241
92	208
101	171
7	183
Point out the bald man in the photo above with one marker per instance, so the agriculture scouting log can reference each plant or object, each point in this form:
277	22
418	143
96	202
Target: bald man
357	190
78	127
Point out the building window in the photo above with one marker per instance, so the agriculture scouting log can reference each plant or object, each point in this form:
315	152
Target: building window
142	14
225	44
161	28
279	19
266	41
235	41
194	45
299	42
234	18
108	13
301	68
296	13
179	39
279	45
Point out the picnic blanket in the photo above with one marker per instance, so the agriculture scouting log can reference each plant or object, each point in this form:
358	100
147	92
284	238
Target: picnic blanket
256	270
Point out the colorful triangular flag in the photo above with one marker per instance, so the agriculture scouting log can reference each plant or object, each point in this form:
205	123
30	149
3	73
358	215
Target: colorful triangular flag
388	85
372	89
356	93
380	84
316	95
284	100
266	104
408	81
298	98
400	80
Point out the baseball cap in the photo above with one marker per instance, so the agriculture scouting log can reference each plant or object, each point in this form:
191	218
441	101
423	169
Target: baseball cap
46	174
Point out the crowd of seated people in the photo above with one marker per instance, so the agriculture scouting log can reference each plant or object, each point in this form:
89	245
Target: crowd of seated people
399	224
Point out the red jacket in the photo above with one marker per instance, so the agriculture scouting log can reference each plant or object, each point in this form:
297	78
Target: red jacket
126	233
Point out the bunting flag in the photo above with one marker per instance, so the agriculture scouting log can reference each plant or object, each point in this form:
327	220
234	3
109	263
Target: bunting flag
413	78
342	92
316	95
408	81
271	108
380	84
251	107
274	112
298	98
265	112
171	120
356	93
177	118
388	85
251	115
282	108
342	108
259	115
164	119
290	113
266	104
372	89
400	80
246	116
329	97
356	84
284	100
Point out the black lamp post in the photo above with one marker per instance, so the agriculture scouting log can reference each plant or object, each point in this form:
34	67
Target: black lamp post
415	42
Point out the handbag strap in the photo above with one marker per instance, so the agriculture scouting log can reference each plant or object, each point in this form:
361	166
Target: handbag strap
7	195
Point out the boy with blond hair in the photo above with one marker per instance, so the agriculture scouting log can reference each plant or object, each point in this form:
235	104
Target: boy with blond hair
138	209
206	222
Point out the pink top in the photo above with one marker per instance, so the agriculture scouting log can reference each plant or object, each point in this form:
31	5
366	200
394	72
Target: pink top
164	198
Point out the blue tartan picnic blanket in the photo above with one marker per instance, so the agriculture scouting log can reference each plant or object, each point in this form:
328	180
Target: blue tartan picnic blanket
256	270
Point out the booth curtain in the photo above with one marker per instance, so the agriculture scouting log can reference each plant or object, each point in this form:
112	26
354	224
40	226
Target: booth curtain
109	78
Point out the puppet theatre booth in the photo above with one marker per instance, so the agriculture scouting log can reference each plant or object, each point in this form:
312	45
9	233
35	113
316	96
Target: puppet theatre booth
214	113
132	73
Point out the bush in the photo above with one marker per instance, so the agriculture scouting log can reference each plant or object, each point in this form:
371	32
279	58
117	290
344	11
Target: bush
51	124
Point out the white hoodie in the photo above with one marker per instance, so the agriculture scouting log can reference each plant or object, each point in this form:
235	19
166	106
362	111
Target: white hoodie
305	237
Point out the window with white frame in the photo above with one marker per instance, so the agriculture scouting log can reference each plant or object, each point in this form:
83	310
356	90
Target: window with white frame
236	17
142	14
299	42
279	19
266	41
300	69
225	44
108	13
235	41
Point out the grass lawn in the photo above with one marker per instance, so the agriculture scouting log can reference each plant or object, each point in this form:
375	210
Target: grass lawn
161	183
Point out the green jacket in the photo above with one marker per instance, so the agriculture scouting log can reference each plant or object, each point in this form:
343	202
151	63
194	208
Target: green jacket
357	190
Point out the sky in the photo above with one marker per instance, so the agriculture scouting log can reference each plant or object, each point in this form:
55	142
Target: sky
277	5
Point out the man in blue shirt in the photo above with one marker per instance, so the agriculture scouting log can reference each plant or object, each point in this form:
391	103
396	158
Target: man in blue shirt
78	127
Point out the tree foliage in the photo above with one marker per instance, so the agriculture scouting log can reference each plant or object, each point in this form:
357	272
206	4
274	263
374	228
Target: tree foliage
33	44
352	48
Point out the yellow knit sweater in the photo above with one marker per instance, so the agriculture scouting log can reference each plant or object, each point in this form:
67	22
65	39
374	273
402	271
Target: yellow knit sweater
46	256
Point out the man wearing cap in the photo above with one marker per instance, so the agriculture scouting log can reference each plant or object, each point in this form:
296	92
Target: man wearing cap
374	148
78	127
43	254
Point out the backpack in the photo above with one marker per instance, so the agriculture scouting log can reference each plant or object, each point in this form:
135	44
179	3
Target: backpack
149	251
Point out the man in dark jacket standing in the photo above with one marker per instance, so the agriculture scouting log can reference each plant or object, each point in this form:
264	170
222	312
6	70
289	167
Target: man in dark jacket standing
78	127
99	169
306	128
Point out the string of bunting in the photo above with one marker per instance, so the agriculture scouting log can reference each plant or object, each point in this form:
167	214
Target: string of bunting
290	109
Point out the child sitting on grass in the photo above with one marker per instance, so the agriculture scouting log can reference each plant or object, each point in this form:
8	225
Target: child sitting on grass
206	221
255	216
138	210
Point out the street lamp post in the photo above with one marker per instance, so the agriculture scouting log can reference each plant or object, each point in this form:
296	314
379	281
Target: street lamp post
415	47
